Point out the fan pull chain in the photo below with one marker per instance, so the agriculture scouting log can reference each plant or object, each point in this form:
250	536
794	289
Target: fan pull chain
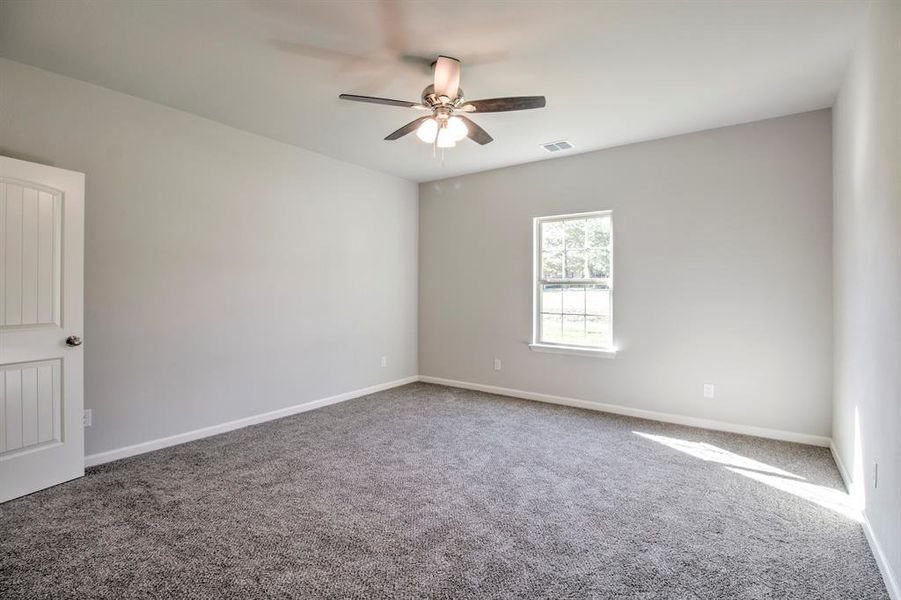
441	127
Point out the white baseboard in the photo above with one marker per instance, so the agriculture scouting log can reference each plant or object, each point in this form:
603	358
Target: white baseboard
775	434
891	581
846	476
180	438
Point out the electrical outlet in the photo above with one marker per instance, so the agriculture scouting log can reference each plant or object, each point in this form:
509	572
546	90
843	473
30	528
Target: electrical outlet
709	390
497	364
875	474
87	417
384	361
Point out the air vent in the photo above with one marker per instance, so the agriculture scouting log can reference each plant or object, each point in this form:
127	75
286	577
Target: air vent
557	146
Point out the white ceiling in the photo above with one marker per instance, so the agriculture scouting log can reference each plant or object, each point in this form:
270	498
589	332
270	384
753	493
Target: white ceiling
613	72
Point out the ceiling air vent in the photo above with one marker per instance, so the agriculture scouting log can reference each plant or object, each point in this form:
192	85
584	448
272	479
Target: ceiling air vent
556	146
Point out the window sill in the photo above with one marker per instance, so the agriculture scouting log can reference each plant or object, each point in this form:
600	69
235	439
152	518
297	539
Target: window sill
574	350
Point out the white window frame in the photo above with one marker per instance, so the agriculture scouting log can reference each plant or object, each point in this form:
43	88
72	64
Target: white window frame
537	345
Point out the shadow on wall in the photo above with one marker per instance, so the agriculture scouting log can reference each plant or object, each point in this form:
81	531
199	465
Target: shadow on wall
26	157
858	489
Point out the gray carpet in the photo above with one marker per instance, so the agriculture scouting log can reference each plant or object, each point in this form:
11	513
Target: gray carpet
426	491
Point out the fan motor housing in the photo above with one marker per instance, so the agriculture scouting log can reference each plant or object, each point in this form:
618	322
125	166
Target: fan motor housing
432	101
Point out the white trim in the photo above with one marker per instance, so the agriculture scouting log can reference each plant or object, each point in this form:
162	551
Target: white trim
196	434
575	350
846	476
891	582
775	434
581	215
537	281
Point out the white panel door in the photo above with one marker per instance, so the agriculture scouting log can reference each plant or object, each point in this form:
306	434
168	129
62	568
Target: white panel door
41	316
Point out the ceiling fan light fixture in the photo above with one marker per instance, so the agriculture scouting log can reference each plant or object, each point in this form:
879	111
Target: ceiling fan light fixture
444	98
427	131
446	138
457	128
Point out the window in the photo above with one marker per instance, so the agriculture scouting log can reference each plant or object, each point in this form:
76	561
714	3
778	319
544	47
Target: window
574	282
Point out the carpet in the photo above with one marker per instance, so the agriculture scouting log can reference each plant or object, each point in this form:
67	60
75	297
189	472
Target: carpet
425	491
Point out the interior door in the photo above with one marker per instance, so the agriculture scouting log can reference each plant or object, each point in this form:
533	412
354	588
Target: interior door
41	316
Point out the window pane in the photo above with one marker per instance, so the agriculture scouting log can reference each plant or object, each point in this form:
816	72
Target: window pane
575	264
552	299
552	265
575	233
597	331
551	329
598	232
577	249
574	300
552	235
597	300
599	262
574	329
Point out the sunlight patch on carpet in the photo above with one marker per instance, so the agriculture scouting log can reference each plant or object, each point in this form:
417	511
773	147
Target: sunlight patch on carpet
774	477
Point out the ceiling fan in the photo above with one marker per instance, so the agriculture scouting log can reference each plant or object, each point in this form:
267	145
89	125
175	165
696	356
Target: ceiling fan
445	126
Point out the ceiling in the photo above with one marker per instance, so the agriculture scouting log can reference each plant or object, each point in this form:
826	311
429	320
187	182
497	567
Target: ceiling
613	72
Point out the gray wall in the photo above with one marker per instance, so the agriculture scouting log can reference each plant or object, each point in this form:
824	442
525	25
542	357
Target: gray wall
226	274
867	421
723	274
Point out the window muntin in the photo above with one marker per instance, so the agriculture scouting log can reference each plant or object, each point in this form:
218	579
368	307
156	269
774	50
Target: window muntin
574	280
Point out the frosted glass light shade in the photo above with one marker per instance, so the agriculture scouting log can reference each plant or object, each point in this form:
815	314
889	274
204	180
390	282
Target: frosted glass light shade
457	128
427	131
446	138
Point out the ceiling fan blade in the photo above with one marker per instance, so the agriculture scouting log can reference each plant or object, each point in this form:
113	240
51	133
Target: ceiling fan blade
504	104
374	100
408	128
447	77
476	133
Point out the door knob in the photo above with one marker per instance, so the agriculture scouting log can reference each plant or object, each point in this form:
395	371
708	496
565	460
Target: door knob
73	340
